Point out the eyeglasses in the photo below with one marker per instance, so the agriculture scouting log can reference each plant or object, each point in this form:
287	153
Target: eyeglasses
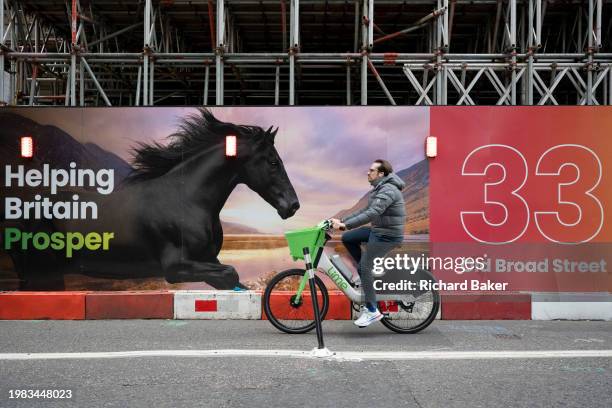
371	170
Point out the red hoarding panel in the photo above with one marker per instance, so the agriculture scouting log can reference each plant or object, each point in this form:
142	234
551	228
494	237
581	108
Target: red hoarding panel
527	188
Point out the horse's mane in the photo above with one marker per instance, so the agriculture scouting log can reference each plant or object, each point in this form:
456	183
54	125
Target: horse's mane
196	132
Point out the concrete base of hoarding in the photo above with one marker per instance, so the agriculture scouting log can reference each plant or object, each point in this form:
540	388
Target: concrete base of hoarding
571	306
217	304
212	304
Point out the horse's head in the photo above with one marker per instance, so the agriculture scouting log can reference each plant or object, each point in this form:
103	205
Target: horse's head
261	168
257	163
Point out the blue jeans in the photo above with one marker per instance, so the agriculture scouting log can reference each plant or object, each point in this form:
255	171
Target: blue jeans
376	246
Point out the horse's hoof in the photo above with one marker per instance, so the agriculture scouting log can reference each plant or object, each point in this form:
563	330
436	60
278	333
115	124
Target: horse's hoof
240	287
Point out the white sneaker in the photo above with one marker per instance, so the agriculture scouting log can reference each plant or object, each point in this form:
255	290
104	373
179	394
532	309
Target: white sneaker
368	317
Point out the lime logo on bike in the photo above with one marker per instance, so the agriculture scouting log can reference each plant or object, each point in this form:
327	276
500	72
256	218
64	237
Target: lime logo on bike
337	278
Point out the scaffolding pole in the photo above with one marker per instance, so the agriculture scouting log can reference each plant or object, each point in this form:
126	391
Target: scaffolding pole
533	44
145	80
367	40
2	96
151	81
96	83
146	53
295	46
277	86
348	85
513	49
81	84
73	80
219	51
589	52
206	80
138	83
441	41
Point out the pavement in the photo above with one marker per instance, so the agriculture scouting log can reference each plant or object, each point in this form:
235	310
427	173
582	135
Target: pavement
196	363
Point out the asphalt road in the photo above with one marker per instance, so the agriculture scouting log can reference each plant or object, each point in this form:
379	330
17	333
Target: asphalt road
445	380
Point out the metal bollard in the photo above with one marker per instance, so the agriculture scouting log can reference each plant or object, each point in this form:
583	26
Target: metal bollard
313	292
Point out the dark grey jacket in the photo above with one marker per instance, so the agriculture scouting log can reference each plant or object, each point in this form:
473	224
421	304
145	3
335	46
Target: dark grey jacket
386	209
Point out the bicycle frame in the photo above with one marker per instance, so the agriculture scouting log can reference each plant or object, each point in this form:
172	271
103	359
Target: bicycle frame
355	295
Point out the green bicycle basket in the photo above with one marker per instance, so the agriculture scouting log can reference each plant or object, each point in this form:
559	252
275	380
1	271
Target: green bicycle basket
312	238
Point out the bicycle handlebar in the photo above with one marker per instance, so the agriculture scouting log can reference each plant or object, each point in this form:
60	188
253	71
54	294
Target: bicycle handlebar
326	225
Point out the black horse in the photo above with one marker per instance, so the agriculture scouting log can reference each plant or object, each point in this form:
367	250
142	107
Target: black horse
165	216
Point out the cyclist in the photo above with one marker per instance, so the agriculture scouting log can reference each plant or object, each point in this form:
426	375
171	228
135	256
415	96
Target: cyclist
387	214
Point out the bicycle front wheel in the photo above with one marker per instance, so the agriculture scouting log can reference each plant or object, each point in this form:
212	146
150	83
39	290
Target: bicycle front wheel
281	307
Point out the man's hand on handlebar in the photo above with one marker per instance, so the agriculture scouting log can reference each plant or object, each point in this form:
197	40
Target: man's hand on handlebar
337	224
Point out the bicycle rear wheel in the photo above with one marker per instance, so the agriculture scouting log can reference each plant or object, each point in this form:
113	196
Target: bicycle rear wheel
409	317
282	310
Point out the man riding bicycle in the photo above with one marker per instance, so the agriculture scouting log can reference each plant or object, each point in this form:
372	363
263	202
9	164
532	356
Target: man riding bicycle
387	214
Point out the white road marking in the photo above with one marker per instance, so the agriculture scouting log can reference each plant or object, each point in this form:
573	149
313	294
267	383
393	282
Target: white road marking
312	354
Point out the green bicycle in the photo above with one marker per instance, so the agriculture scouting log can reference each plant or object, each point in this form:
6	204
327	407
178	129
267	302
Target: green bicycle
289	307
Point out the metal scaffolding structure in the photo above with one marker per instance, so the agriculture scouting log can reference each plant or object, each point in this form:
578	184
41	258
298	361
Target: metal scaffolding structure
306	52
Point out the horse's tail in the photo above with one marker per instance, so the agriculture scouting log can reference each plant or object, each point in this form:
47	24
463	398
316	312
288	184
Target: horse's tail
12	251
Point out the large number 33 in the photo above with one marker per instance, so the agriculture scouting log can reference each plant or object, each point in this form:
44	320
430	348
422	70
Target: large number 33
575	215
